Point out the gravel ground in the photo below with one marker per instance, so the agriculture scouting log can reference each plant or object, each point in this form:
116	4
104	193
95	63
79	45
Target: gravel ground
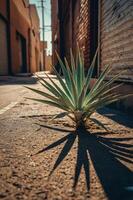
93	165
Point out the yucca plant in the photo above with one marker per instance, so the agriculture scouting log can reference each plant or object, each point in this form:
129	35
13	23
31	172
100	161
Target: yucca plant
73	93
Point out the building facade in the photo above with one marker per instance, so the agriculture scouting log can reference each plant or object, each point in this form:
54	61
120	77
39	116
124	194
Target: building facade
4	38
19	37
43	47
55	30
48	63
35	49
92	22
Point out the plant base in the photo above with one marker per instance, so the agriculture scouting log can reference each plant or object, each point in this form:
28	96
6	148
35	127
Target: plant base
80	126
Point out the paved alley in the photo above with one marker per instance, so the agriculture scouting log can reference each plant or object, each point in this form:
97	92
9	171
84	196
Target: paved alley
96	167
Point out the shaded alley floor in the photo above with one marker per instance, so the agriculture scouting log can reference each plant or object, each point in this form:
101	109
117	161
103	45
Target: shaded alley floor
96	166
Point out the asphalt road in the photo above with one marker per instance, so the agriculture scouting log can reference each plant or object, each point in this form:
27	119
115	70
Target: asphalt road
12	90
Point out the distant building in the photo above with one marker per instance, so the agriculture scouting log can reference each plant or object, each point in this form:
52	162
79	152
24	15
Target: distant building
92	22
43	47
55	30
19	37
35	56
48	63
5	60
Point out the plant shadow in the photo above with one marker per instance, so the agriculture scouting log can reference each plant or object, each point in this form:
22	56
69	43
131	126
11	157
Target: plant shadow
117	116
106	155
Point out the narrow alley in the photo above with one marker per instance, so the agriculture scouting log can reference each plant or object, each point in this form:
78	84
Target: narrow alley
26	129
75	141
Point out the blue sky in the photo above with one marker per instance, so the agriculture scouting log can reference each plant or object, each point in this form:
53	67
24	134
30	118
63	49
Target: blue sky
47	16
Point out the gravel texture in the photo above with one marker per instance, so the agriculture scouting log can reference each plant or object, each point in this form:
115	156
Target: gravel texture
95	165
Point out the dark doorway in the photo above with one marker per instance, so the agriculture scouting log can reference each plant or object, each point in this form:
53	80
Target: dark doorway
94	32
22	54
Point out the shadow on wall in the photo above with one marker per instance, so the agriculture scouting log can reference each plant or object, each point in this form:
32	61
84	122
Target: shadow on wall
106	155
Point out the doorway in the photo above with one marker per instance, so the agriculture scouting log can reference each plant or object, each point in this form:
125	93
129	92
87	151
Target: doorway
22	54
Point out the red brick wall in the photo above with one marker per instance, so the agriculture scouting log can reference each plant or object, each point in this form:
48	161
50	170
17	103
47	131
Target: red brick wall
75	18
35	57
55	30
81	24
19	23
25	21
66	27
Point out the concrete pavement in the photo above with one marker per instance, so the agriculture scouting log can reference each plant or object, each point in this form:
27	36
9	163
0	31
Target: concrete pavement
12	89
25	129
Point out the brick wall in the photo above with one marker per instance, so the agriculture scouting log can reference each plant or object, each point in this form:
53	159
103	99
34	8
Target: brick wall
86	22
81	31
55	30
4	35
19	23
24	24
74	25
23	38
34	40
117	36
